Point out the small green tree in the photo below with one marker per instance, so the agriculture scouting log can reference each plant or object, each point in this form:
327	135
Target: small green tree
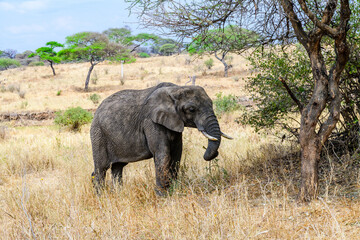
7	62
93	47
48	54
221	41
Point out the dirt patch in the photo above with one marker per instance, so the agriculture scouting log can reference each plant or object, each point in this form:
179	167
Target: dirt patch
30	118
39	116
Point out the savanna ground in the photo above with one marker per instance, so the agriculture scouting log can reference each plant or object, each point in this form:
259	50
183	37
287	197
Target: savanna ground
248	192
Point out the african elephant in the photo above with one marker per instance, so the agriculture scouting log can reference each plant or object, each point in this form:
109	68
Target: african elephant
133	125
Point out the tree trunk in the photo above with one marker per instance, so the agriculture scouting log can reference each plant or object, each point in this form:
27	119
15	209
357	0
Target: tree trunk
88	75
310	156
226	67
311	140
52	67
326	88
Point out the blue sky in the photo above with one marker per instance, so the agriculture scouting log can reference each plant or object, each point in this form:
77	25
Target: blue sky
29	24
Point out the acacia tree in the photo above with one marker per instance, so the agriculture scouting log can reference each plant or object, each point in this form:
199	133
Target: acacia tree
306	22
326	93
276	107
48	54
124	37
119	35
220	42
141	39
94	48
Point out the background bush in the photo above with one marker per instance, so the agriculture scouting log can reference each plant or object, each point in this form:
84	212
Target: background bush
225	104
144	55
73	118
209	63
6	63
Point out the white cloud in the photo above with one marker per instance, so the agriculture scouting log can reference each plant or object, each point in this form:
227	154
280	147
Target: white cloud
33	5
24	6
64	22
6	6
26	29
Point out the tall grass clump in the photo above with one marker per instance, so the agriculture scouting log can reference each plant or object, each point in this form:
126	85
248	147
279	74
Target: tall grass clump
3	131
95	98
73	118
209	63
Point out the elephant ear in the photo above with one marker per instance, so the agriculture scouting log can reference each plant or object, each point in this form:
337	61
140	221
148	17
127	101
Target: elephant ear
164	110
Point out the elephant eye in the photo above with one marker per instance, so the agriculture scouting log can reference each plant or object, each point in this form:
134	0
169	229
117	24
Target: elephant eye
191	109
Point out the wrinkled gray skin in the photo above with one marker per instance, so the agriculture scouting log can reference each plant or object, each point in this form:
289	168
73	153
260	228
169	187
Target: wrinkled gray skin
133	125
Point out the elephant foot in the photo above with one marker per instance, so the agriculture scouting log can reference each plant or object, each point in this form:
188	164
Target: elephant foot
98	185
161	192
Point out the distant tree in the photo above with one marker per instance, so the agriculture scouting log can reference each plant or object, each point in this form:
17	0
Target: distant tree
221	41
155	47
133	42
119	35
93	47
9	53
142	39
48	54
5	63
168	49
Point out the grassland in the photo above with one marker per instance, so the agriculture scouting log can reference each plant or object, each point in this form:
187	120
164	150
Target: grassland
248	192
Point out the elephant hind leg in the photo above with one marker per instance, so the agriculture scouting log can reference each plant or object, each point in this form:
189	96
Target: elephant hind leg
116	172
101	159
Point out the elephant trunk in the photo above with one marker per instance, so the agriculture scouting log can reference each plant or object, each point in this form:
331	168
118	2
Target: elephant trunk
212	128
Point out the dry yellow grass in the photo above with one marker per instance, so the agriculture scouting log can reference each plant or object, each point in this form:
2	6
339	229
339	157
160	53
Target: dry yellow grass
46	190
41	87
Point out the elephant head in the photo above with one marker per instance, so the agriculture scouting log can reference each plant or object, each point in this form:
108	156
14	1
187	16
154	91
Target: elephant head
177	107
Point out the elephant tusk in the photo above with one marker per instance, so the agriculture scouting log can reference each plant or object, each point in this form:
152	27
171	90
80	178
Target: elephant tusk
226	136
209	136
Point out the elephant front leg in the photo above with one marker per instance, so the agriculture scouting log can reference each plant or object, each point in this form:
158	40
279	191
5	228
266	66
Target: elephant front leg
163	174
176	151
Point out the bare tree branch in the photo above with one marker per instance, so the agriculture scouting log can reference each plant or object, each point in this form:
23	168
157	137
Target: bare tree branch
292	95
295	22
328	13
